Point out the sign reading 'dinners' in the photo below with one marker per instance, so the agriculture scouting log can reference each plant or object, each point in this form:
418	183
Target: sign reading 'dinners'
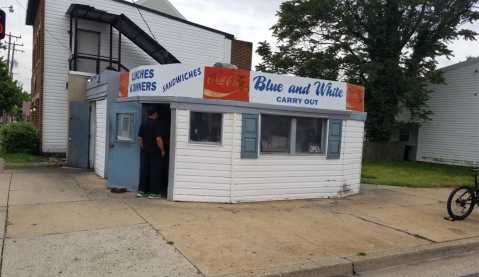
193	81
167	80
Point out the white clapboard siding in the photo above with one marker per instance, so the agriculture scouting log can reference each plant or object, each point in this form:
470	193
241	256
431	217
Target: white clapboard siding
100	138
282	177
202	172
352	158
187	43
217	174
452	137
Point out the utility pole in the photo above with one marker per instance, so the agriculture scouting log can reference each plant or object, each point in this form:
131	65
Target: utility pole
9	66
13	57
9	43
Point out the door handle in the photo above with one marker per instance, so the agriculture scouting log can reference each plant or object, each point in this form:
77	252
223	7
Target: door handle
112	145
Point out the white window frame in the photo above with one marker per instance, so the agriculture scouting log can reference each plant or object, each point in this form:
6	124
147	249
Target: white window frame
292	136
205	143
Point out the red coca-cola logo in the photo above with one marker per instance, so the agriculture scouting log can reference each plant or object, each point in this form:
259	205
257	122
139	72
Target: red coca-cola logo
226	84
234	80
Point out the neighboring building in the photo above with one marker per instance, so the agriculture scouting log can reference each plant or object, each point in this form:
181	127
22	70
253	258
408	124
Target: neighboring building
73	41
26	108
452	136
163	6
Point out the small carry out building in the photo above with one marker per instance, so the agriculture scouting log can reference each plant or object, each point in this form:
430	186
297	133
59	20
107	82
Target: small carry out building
231	135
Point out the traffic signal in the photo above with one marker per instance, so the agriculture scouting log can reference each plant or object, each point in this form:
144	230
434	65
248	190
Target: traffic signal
2	24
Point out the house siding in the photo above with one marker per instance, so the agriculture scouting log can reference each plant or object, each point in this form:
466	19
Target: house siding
452	137
203	172
38	62
218	174
100	138
187	43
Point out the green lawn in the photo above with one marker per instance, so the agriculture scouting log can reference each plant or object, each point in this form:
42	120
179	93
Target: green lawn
20	158
410	174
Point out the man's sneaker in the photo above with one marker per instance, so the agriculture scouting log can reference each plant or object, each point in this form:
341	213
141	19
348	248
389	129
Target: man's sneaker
154	196
141	194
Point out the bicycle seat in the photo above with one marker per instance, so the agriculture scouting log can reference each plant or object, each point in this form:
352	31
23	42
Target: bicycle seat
474	170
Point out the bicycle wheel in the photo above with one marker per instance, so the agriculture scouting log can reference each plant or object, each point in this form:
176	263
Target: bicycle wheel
461	202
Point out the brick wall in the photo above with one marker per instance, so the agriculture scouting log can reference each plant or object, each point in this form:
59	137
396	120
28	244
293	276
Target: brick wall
242	54
38	69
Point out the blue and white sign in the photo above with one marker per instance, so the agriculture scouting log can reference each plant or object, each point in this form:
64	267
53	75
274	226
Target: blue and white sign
182	80
284	90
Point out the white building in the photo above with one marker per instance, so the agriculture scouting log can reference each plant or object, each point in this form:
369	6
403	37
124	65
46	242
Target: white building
72	42
254	137
452	136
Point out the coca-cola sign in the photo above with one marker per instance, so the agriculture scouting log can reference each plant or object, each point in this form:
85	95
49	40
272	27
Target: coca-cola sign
226	84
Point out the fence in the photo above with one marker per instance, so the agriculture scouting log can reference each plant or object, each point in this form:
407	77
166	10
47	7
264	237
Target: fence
375	152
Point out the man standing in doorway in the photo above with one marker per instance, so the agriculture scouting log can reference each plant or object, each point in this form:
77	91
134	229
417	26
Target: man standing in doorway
153	151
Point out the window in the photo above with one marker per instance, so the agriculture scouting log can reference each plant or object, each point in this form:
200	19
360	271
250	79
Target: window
292	135
275	134
126	127
206	127
88	46
309	135
403	134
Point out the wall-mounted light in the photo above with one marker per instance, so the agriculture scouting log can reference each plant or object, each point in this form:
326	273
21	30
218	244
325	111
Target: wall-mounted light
34	109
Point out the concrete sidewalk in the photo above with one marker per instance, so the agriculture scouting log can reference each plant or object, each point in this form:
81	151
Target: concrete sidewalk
63	222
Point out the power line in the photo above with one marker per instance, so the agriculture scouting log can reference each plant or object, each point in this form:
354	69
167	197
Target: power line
143	20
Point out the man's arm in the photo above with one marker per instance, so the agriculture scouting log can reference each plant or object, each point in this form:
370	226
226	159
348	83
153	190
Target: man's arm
141	141
159	141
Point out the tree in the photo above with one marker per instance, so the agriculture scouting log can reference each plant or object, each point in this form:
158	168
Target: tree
390	47
11	92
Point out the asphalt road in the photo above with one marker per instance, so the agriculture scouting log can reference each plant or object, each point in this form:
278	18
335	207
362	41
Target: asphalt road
466	265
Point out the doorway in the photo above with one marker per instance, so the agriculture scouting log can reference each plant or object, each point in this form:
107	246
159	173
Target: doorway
164	117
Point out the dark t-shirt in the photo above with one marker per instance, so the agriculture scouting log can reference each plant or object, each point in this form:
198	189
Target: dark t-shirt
150	129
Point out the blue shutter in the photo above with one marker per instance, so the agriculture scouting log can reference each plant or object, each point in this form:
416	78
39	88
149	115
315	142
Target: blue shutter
334	138
249	136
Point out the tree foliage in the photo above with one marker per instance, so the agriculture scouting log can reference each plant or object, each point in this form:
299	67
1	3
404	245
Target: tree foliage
390	47
11	92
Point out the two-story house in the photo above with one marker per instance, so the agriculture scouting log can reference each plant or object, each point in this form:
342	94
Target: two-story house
73	40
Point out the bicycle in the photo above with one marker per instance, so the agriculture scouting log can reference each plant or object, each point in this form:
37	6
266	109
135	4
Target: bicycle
462	199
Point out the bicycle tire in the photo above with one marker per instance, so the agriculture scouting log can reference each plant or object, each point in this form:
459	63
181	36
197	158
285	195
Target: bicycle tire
452	201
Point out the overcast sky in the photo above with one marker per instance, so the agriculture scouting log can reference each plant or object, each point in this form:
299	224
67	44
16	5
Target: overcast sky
248	20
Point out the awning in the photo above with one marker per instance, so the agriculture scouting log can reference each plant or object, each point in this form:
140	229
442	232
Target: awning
126	27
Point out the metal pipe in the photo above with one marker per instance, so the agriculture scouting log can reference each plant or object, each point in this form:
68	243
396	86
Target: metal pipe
76	41
119	46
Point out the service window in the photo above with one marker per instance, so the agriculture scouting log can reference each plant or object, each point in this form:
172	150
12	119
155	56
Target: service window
309	135
126	127
292	135
275	134
206	127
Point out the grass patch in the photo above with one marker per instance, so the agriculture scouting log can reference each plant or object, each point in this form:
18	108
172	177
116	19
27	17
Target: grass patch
411	174
20	158
362	254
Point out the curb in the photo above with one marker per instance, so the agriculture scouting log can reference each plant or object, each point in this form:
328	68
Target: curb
413	255
348	266
34	164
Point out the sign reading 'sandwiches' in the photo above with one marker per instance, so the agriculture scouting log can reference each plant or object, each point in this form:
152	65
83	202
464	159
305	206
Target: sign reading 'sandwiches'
195	81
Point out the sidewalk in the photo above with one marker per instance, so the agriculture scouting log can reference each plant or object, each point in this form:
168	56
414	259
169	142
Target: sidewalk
63	222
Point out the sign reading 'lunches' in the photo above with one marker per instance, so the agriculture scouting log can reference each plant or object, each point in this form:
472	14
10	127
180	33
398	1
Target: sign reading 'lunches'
194	81
166	80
